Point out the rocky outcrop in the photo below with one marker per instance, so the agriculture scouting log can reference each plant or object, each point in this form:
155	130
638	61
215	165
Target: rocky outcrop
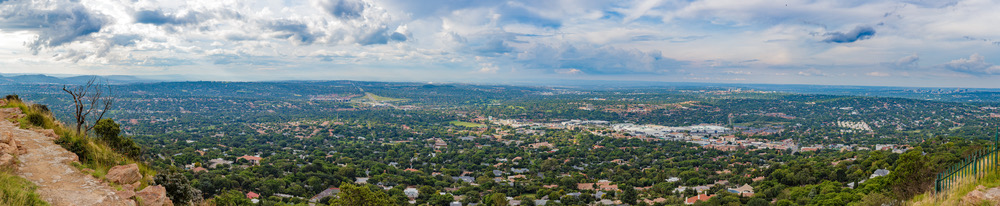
9	147
154	196
124	174
11	113
47	132
981	194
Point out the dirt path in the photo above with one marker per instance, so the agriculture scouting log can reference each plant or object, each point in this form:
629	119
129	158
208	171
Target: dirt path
47	165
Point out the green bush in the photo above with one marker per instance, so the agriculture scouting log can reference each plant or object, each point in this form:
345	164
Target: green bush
36	119
12	97
41	108
74	145
178	187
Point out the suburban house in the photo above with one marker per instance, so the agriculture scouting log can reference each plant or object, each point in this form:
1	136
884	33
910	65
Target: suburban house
700	197
252	159
745	190
325	193
879	173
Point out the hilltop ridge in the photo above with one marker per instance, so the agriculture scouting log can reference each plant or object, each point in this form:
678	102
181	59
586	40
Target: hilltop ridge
67	168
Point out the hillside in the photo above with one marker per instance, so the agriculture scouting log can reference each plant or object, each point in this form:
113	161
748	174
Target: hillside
88	175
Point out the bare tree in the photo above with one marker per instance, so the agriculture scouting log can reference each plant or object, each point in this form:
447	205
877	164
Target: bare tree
92	99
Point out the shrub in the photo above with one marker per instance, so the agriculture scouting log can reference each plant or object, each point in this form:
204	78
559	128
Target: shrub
41	108
178	187
36	119
12	97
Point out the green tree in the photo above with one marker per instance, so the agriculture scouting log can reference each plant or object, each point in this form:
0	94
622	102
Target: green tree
629	195
178	187
496	199
107	130
912	175
360	196
758	202
232	198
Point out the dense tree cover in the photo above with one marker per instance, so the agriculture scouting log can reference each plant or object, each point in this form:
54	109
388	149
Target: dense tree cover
310	146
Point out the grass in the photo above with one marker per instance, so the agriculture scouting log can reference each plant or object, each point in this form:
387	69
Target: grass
954	195
15	190
466	124
93	154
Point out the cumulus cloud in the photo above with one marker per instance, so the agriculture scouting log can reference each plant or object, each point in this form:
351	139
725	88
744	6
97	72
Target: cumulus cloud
905	63
67	22
856	34
345	9
975	65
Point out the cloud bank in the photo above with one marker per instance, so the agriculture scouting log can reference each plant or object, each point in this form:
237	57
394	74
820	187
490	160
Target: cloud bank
820	41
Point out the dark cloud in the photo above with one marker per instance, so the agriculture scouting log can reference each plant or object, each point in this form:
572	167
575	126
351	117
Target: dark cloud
158	17
975	65
64	24
294	31
856	34
345	9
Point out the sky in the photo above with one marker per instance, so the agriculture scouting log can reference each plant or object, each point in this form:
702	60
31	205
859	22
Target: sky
928	43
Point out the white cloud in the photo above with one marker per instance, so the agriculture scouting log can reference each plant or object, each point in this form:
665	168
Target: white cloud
975	64
569	71
877	74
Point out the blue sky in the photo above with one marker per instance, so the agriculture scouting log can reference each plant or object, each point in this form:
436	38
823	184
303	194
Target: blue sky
890	43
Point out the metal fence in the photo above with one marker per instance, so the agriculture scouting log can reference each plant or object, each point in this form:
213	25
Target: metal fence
981	163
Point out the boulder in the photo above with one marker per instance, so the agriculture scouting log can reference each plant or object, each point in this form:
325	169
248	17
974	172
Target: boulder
126	193
70	158
6	160
981	194
47	132
124	174
154	196
6	137
7	149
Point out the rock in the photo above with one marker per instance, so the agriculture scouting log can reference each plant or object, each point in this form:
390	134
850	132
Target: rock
88	170
992	195
7	160
124	174
974	197
7	149
6	137
70	158
47	132
981	194
126	193
154	196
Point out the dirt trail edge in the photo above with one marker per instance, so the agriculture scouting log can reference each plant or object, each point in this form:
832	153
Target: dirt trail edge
47	165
